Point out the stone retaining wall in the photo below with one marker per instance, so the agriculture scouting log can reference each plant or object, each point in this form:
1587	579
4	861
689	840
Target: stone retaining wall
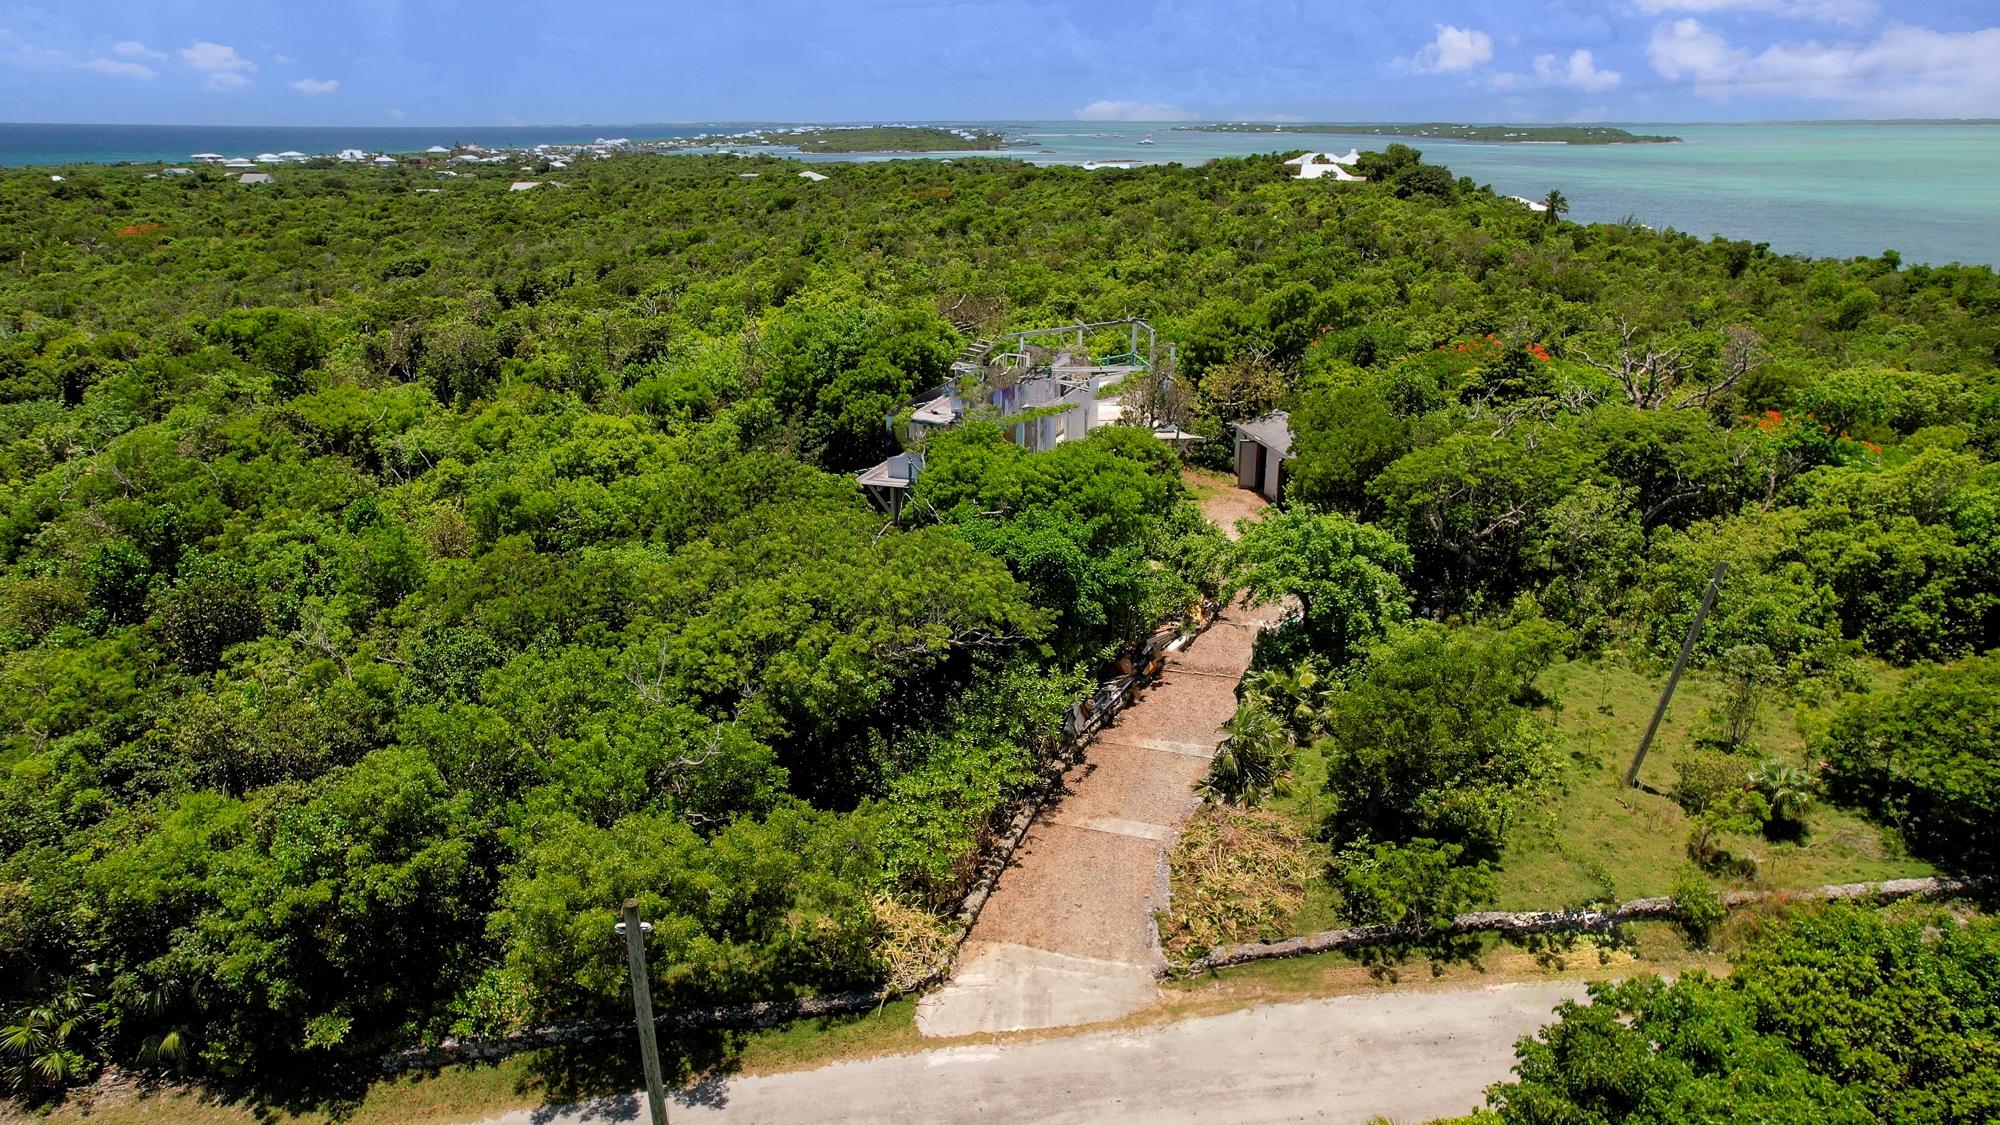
1521	924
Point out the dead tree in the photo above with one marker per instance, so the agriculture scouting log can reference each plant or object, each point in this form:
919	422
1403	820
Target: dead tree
1665	379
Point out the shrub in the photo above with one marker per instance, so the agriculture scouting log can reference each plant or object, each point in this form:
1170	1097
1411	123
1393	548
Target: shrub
1252	760
1698	908
1434	737
1422	884
1837	1016
1926	759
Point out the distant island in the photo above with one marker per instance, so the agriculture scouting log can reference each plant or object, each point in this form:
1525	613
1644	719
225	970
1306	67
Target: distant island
855	138
1512	134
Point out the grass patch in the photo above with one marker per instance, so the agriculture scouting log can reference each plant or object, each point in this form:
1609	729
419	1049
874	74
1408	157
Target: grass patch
1592	840
476	1091
1238	875
1646	947
1600	841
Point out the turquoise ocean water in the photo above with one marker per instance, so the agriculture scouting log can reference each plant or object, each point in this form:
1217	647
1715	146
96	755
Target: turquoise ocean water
1930	191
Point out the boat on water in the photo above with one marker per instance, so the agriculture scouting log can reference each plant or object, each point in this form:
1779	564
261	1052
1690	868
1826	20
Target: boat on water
1147	139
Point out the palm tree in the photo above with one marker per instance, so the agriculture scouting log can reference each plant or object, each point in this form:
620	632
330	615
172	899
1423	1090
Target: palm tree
41	1048
1251	762
1554	206
1297	698
1788	790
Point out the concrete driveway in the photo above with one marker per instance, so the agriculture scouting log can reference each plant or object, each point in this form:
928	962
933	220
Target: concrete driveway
1408	1056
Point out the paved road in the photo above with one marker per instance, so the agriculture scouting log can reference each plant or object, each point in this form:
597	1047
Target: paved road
1408	1056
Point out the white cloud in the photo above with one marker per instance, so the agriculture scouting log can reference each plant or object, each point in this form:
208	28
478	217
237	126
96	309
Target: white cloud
1850	12
1685	49
216	57
133	49
227	80
283	59
313	87
119	67
1454	49
1904	70
1580	72
1109	110
397	114
22	53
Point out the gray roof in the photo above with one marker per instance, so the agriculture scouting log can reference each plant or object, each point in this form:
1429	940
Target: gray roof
253	178
1273	431
896	472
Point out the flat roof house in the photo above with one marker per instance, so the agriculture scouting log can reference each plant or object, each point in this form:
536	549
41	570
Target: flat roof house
1320	165
254	178
1263	445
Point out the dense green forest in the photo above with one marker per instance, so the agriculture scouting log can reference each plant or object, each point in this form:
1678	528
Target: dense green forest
399	572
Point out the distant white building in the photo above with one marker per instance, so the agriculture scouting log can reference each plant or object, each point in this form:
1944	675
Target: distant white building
268	158
1094	165
176	171
1530	204
292	156
254	178
436	149
523	185
811	175
1322	165
352	155
207	158
239	163
385	162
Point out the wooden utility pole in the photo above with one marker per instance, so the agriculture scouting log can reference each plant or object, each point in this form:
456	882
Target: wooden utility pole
1687	649
635	932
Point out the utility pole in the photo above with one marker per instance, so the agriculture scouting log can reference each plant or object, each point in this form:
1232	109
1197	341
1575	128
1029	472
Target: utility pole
634	932
1687	649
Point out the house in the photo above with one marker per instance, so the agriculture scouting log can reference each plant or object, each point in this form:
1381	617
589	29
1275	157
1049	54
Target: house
240	163
1040	396
523	185
888	483
1320	165
351	155
940	413
1530	204
291	156
207	158
1263	445
254	178
436	150
1094	165
268	158
385	162
815	177
176	171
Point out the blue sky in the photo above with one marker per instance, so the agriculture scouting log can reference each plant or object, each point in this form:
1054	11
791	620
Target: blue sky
604	61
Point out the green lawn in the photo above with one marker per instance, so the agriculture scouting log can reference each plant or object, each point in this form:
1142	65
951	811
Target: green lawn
472	1092
1593	839
1599	841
